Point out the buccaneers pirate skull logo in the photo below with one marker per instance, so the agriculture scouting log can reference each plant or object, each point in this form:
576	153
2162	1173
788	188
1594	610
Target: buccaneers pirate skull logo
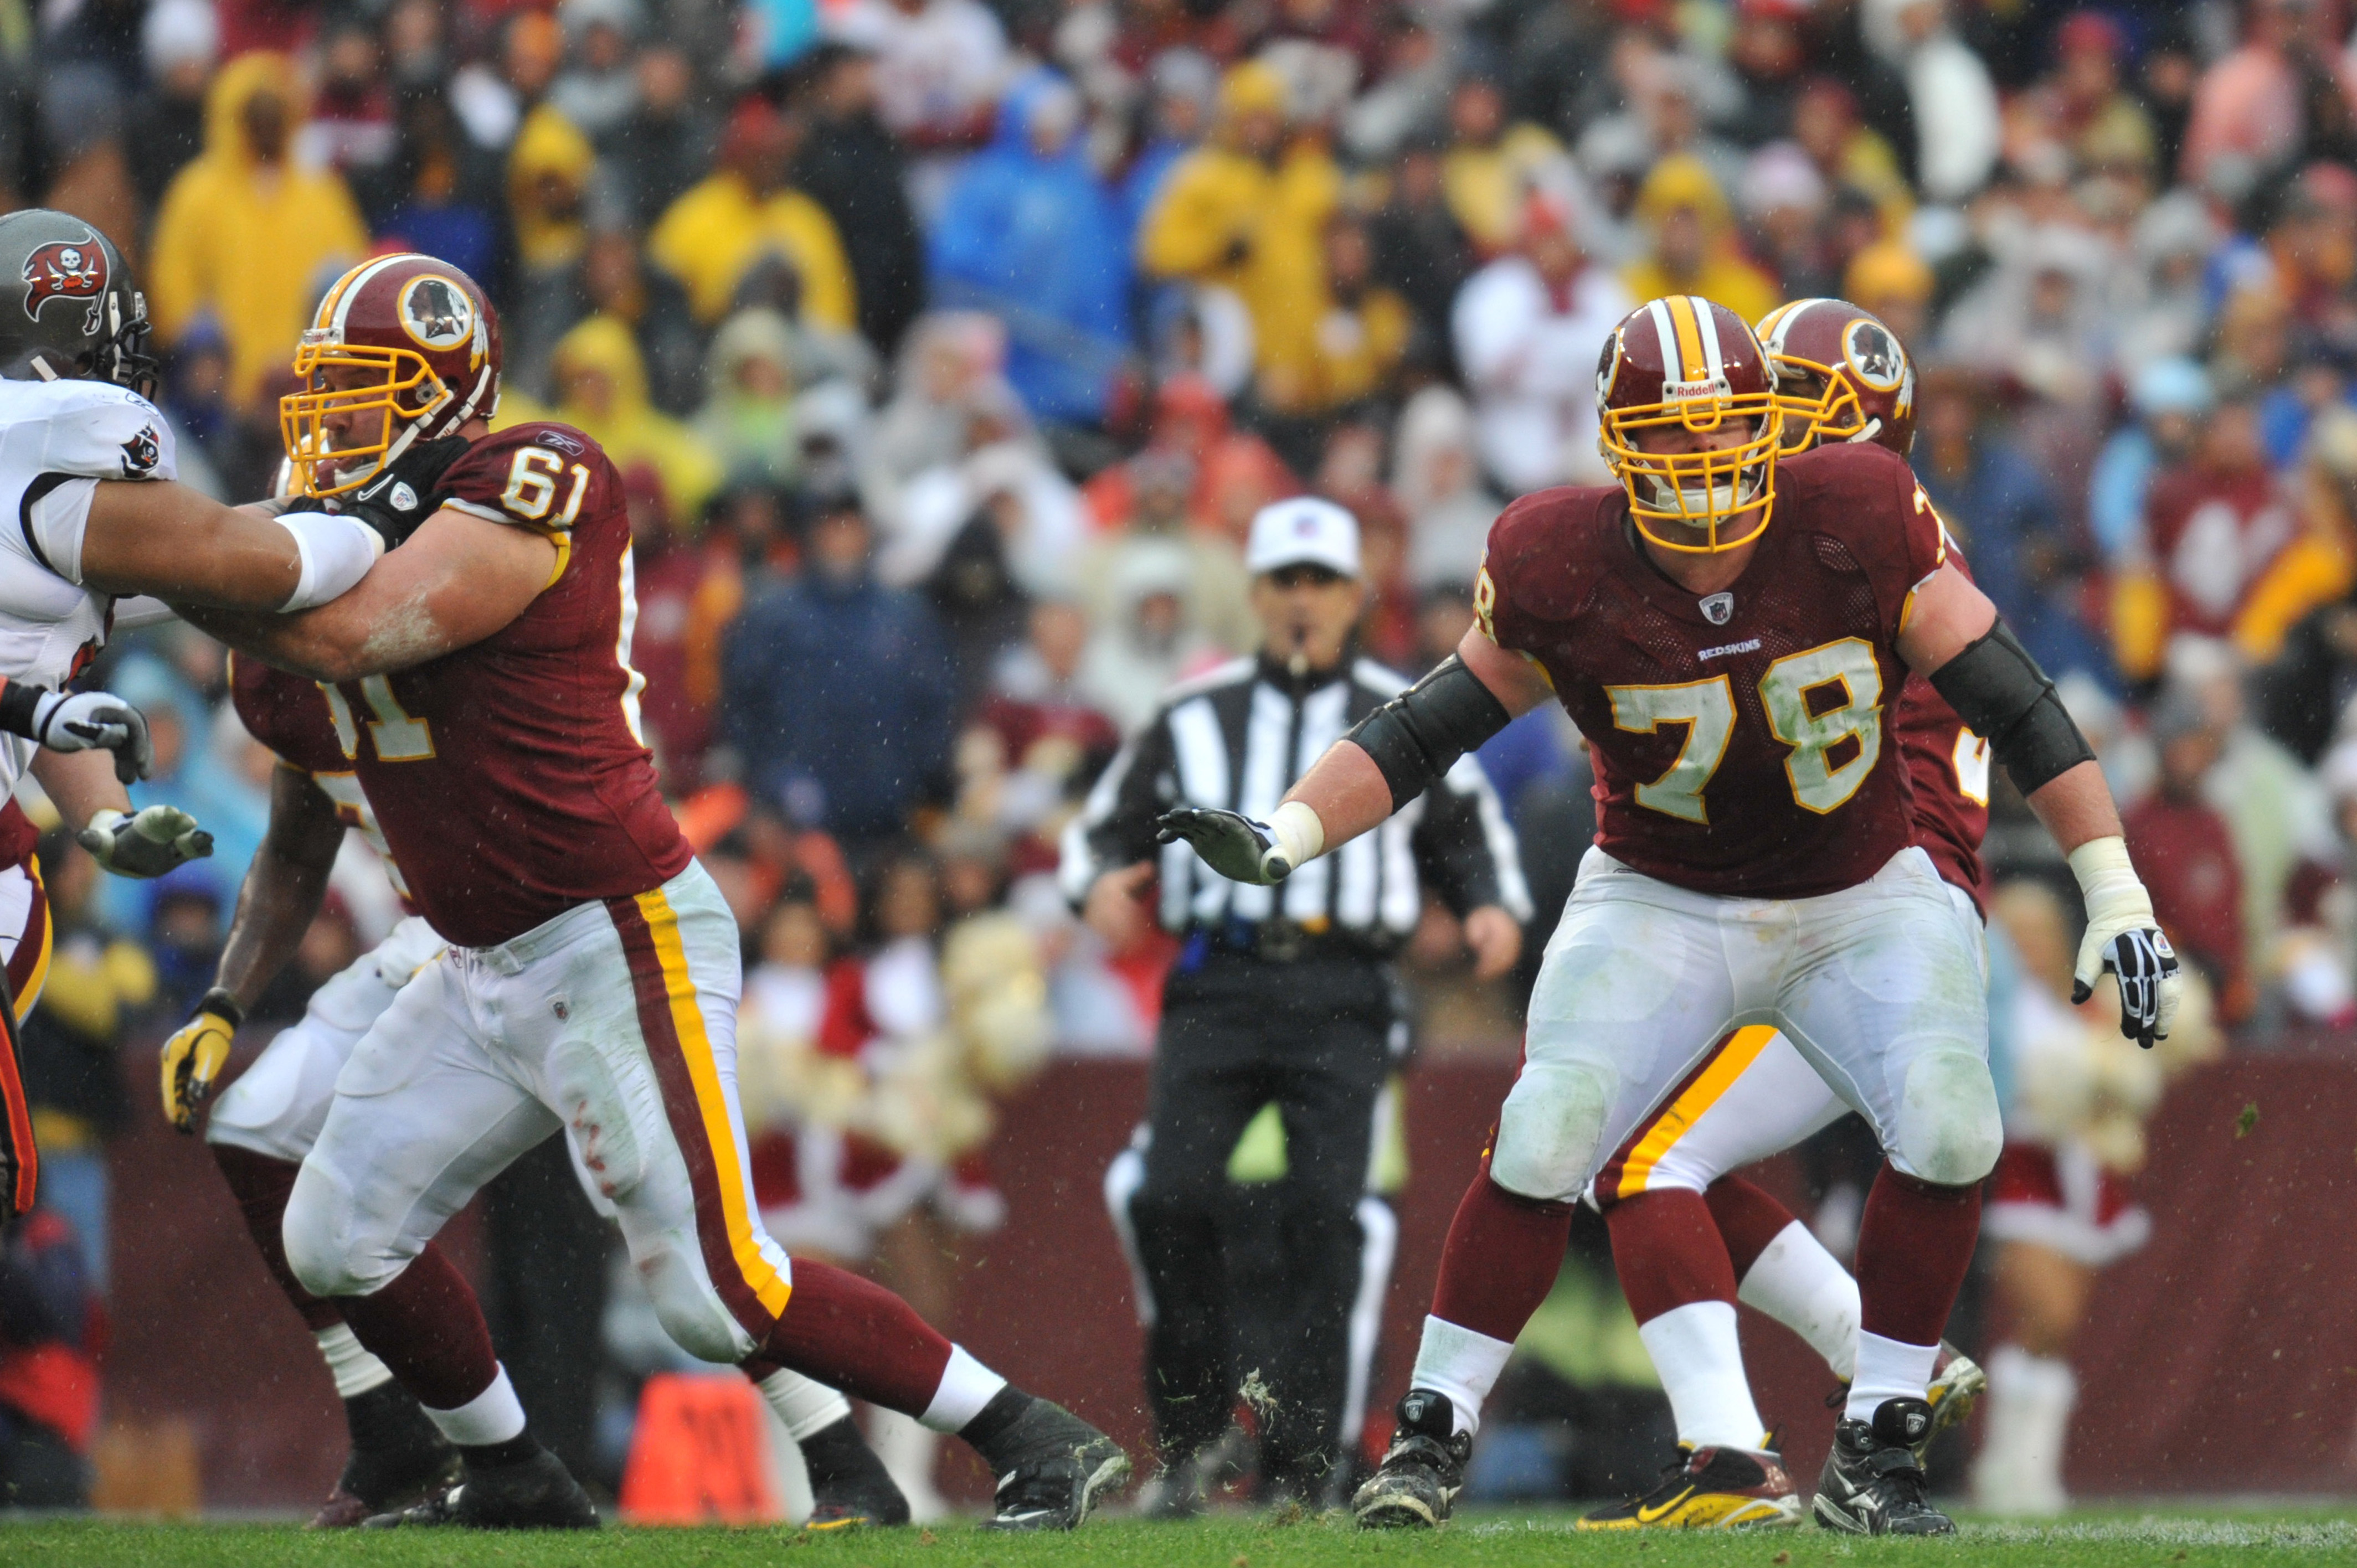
63	269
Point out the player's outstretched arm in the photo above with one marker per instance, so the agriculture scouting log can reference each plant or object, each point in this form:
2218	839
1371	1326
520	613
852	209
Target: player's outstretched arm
1954	636
86	787
161	538
457	580
1389	758
281	895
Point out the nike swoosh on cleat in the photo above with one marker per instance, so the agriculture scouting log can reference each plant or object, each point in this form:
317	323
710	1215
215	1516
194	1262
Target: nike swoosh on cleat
1647	1516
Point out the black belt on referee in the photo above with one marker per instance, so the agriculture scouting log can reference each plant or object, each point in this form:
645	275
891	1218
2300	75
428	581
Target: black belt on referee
1280	940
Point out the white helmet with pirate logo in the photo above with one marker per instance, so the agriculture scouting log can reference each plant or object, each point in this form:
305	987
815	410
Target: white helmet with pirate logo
407	339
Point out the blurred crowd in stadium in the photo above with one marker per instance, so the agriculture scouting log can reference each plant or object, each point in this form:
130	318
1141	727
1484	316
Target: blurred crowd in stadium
948	347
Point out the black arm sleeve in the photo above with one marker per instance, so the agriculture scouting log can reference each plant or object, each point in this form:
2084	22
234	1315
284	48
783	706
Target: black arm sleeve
1997	689
20	701
1419	735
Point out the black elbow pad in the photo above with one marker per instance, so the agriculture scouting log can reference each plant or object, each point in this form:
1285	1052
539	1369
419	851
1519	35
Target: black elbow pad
1419	735
1999	691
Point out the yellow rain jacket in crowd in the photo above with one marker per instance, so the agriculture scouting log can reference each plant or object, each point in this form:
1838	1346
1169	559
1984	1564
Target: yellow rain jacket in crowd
1487	188
620	419
551	159
1224	218
254	246
713	234
1681	181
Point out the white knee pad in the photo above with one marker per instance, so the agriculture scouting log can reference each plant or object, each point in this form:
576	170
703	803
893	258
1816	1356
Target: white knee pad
690	1311
1549	1128
323	1248
1950	1129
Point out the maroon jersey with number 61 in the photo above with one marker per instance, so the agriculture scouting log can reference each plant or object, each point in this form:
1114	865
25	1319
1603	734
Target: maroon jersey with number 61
510	778
1741	740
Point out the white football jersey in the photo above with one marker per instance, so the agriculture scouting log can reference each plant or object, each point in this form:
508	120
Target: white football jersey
58	439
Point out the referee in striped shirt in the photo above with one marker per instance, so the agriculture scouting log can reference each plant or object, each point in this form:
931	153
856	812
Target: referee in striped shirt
1281	993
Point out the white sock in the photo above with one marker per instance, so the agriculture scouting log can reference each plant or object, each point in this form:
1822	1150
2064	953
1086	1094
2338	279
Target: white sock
1800	1284
1461	1363
355	1370
807	1408
907	1451
1695	1350
492	1416
2029	1423
1888	1370
966	1386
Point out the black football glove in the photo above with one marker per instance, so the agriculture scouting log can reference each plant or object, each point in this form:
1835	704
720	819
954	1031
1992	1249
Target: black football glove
403	494
1233	845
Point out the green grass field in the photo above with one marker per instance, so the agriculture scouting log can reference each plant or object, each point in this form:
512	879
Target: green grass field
2091	1540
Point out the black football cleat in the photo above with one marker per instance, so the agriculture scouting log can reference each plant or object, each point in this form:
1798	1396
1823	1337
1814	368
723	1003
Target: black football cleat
399	1456
538	1493
1709	1489
1872	1484
1423	1470
850	1488
1053	1469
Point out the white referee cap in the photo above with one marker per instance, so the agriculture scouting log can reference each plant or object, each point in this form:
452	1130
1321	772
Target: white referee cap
1307	531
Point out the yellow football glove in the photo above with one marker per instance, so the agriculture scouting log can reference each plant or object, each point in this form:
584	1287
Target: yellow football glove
194	1055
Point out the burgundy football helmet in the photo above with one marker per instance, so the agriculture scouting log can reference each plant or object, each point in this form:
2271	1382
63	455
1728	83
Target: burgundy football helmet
407	339
1841	375
1683	363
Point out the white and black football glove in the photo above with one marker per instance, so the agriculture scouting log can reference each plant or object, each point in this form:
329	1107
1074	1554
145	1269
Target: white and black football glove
80	721
2125	941
1236	846
159	839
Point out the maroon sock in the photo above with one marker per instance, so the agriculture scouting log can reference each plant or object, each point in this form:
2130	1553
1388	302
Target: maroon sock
1914	1243
259	1185
1502	1254
1668	1253
856	1335
428	1328
1747	1220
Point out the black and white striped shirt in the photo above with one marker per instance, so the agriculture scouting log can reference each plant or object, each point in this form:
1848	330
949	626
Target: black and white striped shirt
1238	737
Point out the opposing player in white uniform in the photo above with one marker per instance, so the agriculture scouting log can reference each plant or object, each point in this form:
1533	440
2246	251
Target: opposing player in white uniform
90	516
263	1125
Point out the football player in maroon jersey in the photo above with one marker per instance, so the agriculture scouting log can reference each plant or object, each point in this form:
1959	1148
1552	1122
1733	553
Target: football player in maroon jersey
260	1130
1729	627
479	682
1689	1238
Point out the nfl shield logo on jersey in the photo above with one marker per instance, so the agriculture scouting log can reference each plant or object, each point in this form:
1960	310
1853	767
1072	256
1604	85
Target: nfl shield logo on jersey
1718	609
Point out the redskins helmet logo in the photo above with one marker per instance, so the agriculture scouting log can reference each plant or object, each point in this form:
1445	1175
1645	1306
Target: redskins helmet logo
63	269
437	312
1874	355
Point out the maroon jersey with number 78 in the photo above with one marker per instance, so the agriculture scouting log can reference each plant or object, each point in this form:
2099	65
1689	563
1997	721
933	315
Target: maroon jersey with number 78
510	779
1742	741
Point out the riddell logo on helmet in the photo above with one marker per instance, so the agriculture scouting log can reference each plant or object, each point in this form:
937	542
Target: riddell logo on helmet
1708	389
65	270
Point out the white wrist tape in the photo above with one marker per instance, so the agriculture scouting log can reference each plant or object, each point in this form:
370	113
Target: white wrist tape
336	553
2116	895
1296	830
